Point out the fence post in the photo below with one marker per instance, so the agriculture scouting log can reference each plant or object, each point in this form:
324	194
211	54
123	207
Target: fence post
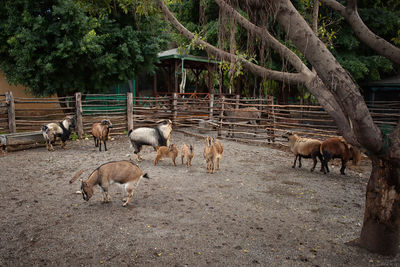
12	128
211	114
237	101
129	110
79	122
221	115
174	106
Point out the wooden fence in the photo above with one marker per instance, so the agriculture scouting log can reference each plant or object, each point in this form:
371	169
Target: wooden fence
204	114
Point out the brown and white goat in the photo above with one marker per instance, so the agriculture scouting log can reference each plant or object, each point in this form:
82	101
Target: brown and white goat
166	152
337	147
61	130
125	173
101	132
213	152
188	153
306	148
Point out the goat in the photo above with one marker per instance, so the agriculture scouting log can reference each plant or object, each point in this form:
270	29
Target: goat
155	137
188	153
337	147
126	173
61	130
213	152
101	132
306	148
166	152
249	115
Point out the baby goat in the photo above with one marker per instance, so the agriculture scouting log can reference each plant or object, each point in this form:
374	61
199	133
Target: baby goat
213	152
126	173
166	152
188	153
100	132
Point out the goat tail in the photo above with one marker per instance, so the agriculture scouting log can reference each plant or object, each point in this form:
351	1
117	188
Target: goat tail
146	176
129	132
76	176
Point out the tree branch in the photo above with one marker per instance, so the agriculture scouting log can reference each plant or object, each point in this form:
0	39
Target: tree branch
267	37
335	78
380	45
261	71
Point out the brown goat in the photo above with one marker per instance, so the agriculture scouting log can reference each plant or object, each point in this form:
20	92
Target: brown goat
241	115
188	153
101	132
126	173
306	148
337	147
213	152
166	152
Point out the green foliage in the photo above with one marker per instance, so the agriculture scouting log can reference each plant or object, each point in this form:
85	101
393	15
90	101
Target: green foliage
54	47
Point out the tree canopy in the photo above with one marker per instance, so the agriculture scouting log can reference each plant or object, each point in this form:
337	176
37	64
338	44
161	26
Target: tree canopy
361	61
56	47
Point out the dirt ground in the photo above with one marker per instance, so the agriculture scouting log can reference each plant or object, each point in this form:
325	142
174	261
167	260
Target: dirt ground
257	210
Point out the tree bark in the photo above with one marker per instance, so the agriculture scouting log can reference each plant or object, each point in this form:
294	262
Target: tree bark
381	231
337	79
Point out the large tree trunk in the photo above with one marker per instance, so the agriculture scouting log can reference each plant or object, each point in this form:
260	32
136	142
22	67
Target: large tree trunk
381	231
336	91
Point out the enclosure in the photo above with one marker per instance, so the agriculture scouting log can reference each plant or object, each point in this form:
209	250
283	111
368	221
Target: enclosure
256	210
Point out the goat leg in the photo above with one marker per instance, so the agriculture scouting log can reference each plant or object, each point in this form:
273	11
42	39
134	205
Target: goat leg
343	167
315	163
294	163
129	198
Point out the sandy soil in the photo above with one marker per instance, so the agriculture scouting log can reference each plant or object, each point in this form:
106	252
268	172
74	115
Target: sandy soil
256	210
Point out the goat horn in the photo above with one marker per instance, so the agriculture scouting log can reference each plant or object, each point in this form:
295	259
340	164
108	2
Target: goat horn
76	176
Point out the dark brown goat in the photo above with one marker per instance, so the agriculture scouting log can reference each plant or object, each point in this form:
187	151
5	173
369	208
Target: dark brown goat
337	147
100	132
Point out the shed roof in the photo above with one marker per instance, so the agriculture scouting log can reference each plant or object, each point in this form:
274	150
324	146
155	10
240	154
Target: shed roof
189	60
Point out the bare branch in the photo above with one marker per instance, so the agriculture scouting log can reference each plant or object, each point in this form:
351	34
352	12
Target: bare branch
261	71
380	45
266	36
315	16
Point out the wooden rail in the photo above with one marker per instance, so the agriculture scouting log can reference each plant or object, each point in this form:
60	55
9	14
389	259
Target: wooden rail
199	114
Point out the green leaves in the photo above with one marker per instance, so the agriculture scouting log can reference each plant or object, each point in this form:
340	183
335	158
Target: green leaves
54	47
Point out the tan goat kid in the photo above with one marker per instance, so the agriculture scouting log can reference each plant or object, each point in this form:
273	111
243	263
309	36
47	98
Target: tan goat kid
188	153
125	173
213	152
166	152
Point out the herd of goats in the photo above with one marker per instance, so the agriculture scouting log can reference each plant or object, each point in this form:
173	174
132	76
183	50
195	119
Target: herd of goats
128	174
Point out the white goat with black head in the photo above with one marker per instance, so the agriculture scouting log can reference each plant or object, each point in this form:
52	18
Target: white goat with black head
155	137
61	130
100	132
